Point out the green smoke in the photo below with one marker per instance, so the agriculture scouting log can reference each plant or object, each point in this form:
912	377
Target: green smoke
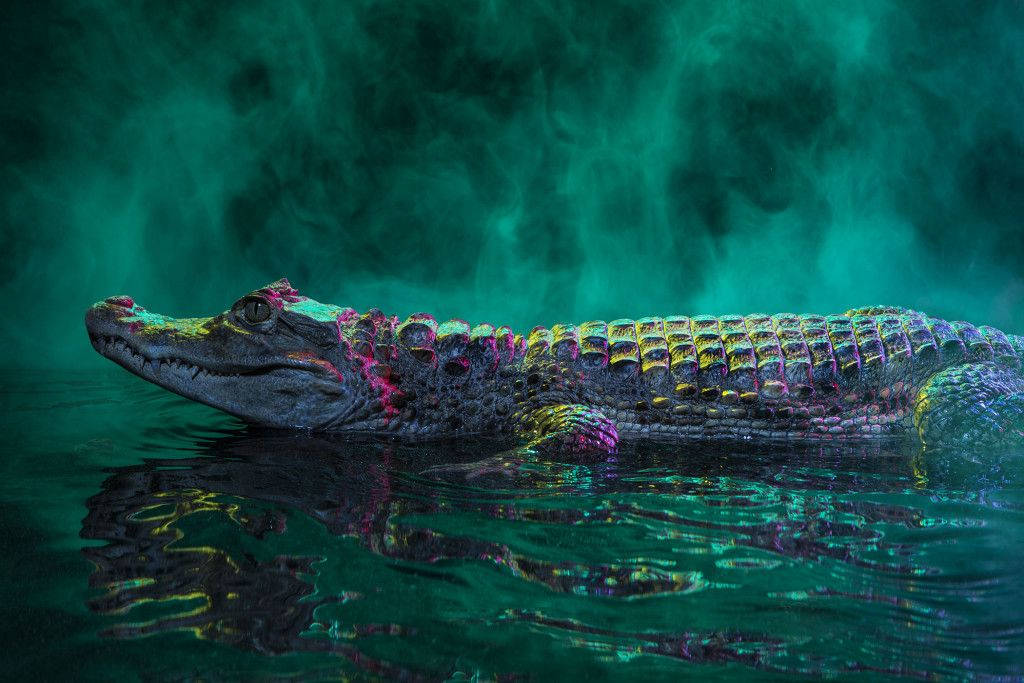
514	162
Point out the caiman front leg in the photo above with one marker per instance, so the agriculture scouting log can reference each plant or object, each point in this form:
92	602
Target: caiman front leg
567	430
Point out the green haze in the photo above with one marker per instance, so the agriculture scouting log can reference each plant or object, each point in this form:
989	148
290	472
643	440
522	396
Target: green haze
518	162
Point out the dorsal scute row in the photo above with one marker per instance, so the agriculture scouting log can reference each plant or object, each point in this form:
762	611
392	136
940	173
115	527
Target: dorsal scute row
797	359
456	347
416	336
565	343
874	347
814	329
538	343
895	342
770	354
768	350
623	350
654	354
741	361
593	337
870	349
1002	349
682	351
952	347
365	331
711	363
844	347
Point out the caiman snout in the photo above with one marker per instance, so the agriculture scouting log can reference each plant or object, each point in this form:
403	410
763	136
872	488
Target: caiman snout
106	318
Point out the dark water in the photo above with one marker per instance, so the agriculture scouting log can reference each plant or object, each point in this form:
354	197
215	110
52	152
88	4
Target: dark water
145	536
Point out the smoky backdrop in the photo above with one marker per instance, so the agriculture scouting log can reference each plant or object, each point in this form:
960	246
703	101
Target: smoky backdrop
516	162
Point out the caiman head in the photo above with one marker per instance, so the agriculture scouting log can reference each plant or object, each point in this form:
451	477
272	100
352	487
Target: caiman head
274	358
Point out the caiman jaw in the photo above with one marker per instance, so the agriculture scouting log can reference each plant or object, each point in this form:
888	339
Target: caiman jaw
123	353
156	366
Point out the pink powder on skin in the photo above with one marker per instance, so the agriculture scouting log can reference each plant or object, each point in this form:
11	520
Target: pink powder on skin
384	389
312	358
281	292
125	301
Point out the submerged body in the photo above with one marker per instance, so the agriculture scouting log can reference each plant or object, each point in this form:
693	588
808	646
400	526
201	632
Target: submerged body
283	360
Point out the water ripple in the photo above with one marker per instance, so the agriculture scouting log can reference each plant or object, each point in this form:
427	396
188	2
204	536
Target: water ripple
819	561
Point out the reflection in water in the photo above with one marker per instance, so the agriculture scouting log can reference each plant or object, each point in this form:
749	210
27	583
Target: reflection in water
284	543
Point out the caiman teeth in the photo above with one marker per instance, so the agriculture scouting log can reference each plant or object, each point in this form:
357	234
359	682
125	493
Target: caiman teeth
142	363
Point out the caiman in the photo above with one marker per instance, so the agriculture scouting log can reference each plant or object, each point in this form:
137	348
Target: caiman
279	359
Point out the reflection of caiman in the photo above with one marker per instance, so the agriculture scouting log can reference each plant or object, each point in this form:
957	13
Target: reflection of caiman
152	552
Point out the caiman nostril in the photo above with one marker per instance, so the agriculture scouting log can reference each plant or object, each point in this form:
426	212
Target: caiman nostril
122	300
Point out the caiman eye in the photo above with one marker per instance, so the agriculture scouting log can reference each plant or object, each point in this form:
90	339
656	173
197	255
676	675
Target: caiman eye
256	311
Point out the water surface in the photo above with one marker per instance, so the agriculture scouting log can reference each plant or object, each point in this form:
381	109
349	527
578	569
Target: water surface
147	536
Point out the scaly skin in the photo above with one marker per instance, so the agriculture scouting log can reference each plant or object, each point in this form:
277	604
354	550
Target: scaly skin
870	373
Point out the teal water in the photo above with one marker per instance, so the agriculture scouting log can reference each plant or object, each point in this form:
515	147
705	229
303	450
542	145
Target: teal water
148	537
